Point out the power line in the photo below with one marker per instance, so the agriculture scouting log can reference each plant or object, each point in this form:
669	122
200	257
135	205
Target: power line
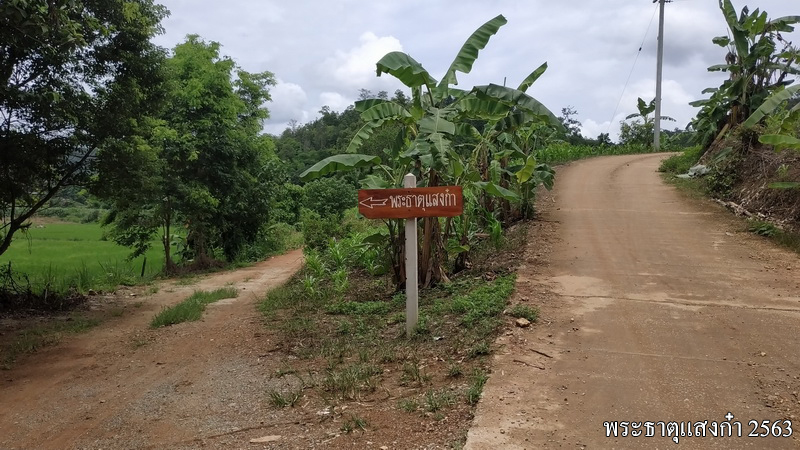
616	108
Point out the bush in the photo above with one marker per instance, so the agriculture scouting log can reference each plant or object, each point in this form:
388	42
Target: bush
318	230
287	204
681	163
329	196
272	239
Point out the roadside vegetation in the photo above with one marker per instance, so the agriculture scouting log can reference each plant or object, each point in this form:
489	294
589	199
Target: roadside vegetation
341	320
748	131
340	328
192	308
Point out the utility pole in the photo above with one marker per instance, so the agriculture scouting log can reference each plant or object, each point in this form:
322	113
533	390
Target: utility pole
659	67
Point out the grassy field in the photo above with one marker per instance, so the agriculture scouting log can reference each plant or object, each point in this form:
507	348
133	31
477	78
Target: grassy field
71	254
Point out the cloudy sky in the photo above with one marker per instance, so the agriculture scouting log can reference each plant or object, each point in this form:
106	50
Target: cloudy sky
323	51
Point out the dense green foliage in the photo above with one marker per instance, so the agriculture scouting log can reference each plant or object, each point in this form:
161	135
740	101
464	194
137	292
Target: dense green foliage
196	162
483	139
179	160
73	76
759	61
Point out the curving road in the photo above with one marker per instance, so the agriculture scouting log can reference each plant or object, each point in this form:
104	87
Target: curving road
655	307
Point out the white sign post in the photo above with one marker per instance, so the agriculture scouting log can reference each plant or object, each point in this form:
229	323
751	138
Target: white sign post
412	293
411	203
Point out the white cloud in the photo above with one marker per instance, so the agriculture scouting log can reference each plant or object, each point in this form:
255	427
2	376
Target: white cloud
288	101
331	47
355	68
334	100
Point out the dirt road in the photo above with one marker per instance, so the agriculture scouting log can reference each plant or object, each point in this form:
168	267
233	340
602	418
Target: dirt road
655	307
126	386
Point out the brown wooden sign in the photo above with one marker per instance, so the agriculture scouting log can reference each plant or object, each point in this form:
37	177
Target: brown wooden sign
439	201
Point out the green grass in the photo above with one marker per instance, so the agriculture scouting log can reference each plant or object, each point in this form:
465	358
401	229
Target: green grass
353	423
436	400
409	405
351	381
682	162
283	399
192	308
75	255
484	302
31	340
358	308
524	311
475	389
762	228
781	237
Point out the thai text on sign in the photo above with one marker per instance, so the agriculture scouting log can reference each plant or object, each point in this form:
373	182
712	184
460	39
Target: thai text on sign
438	201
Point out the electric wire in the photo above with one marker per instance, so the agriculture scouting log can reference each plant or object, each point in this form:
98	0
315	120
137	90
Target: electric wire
616	108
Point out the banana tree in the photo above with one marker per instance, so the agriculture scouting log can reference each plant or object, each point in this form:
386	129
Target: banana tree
759	61
438	115
787	128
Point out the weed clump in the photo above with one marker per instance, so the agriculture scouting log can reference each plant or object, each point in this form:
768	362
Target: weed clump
192	308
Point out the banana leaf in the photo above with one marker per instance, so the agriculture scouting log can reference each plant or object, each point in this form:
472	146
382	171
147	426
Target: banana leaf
339	163
385	111
362	135
780	141
514	97
437	122
469	51
406	69
497	191
527	82
770	104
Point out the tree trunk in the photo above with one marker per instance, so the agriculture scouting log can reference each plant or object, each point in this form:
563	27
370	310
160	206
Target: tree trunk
430	268
397	254
169	266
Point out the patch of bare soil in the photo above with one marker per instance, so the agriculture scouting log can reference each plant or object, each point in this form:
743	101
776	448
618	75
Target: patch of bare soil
349	378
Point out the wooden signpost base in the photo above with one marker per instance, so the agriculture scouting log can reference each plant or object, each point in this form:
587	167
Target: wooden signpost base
409	203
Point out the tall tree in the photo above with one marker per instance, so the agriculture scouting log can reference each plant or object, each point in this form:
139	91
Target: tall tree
203	156
73	76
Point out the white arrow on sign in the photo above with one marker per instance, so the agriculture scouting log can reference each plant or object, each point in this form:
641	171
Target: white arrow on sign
370	202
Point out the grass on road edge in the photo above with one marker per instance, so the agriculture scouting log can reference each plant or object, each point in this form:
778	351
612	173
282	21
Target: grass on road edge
192	308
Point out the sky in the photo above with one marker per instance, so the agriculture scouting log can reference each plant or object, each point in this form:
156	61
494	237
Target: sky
322	52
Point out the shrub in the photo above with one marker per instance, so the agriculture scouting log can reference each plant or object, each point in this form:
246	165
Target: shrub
287	204
682	162
318	230
329	196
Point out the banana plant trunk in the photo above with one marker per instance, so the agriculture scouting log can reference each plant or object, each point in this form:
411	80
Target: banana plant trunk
397	253
433	251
